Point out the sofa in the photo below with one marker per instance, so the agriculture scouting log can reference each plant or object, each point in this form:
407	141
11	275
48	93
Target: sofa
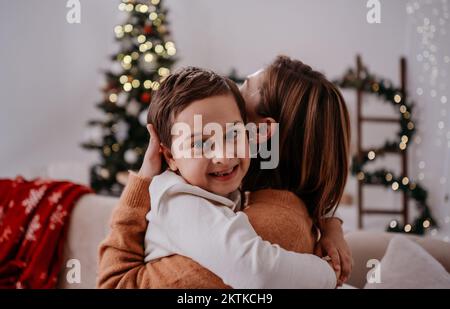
89	225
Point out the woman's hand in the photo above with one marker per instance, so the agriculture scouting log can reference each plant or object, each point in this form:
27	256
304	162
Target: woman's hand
152	158
333	244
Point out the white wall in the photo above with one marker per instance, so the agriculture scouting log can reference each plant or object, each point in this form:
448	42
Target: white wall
49	80
50	71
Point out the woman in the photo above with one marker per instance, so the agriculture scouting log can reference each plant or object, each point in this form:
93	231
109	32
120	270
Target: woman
313	149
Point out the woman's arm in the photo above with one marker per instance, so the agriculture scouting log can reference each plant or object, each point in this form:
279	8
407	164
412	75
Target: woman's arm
333	244
121	263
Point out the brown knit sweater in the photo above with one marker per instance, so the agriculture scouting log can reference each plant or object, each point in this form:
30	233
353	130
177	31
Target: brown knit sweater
277	216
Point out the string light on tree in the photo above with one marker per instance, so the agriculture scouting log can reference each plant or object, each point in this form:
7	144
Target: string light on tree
145	58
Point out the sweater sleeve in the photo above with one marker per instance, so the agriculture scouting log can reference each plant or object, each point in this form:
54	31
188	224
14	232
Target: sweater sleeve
121	254
226	243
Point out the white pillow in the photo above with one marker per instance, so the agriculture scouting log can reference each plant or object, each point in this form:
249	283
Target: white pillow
406	265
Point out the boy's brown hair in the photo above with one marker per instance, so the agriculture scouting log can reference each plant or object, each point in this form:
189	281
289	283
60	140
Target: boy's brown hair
180	89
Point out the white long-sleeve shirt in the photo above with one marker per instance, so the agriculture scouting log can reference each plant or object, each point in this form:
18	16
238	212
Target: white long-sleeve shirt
190	221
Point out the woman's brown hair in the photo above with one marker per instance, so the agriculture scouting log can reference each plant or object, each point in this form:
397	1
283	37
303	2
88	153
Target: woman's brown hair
314	136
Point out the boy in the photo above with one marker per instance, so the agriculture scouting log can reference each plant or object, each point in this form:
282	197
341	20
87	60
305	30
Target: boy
195	203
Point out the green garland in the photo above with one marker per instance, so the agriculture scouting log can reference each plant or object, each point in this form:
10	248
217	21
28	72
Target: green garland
385	90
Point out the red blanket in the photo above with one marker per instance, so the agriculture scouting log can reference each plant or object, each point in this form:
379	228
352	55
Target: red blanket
34	218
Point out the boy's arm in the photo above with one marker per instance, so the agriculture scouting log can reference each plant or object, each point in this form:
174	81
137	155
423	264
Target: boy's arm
226	243
121	260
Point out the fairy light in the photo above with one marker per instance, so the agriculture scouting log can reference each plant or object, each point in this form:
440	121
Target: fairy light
148	57
155	85
143	8
134	55
128	28
104	173
169	44
163	72
141	38
171	51
395	186
115	147
143	48
127	87
388	177
159	48
393	224
405	181
371	155
153	16
123	79
135	83
147	84
113	97
170	47
118	29
155	2
397	98
127	59
129	7
408	228
106	151
405	139
157	22
360	176
403	109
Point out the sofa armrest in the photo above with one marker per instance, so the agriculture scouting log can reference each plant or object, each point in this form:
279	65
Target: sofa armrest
88	226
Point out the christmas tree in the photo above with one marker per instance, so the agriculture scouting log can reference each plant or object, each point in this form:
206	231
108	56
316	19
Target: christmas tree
145	58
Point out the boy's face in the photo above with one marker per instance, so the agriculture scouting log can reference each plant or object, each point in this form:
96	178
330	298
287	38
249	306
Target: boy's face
216	160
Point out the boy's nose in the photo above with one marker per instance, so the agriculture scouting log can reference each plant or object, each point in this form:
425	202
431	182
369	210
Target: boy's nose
223	154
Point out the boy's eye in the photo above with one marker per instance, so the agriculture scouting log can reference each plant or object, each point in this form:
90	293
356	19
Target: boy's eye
197	144
231	135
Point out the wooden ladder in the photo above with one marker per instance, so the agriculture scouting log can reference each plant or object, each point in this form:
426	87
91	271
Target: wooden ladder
362	152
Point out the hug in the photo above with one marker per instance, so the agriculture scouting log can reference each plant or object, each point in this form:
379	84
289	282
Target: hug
219	220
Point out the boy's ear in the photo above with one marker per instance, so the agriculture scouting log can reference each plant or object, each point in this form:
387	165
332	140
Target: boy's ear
169	158
266	131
